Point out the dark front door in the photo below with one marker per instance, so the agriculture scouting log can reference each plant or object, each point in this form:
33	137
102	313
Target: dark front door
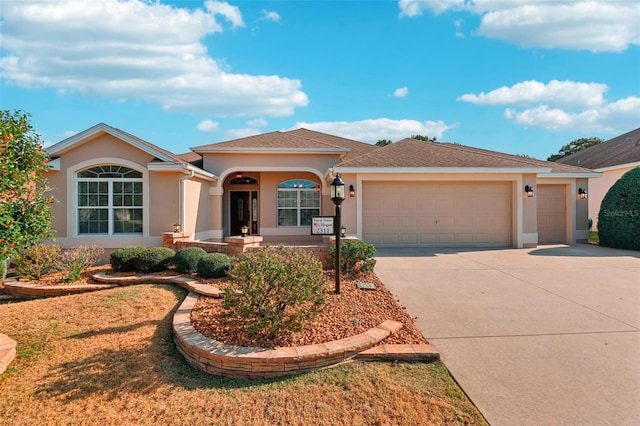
244	211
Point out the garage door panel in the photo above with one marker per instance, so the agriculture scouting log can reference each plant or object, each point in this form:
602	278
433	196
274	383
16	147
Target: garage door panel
437	213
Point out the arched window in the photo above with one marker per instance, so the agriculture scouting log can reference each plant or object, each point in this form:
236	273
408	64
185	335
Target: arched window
298	200
110	201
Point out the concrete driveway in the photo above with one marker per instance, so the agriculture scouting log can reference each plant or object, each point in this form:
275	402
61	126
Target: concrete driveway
545	336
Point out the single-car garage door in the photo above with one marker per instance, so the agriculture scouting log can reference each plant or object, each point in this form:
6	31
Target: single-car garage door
552	214
461	214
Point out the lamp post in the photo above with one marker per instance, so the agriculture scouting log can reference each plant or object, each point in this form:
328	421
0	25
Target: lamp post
337	196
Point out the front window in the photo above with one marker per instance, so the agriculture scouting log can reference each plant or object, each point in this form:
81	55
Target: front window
298	200
109	200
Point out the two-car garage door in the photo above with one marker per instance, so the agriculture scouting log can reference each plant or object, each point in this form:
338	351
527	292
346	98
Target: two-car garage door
461	214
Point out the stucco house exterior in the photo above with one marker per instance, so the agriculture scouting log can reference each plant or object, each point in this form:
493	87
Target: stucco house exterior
116	190
612	159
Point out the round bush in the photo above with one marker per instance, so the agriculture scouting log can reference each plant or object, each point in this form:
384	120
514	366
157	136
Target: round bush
619	216
186	260
153	259
277	290
213	265
123	260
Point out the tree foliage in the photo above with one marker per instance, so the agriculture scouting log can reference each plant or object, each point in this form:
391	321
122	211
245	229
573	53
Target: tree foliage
383	142
25	213
424	138
574	146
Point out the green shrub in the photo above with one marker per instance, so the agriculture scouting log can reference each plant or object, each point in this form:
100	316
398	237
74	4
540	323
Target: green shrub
3	269
186	260
213	265
75	260
123	260
619	216
34	262
153	259
276	290
355	256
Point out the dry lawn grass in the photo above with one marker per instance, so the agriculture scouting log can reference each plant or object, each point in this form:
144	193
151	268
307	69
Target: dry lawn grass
108	358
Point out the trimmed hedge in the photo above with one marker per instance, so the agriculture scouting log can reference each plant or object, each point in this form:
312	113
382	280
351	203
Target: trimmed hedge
123	260
213	265
619	216
186	260
153	259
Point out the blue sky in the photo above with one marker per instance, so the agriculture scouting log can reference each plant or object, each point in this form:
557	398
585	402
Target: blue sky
523	77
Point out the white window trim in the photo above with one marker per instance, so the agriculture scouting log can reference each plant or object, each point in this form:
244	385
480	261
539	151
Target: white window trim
298	208
72	196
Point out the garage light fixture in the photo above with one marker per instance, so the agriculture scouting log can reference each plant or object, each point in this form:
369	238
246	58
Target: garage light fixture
352	191
529	190
582	193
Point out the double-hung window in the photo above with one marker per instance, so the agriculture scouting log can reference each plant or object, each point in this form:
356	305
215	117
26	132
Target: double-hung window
110	201
298	200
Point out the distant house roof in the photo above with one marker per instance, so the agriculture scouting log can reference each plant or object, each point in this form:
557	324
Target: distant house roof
623	149
294	141
415	154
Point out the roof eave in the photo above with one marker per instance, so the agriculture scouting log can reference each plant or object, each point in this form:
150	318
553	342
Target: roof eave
569	175
181	167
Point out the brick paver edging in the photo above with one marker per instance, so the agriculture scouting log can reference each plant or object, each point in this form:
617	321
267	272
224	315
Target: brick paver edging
233	361
105	281
7	351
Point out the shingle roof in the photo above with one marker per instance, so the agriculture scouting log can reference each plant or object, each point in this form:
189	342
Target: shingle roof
420	154
356	148
271	140
623	149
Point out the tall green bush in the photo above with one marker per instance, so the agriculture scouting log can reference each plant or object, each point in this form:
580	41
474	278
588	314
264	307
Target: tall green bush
619	216
355	256
276	290
186	260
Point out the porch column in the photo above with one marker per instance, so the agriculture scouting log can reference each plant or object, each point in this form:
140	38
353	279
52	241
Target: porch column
215	221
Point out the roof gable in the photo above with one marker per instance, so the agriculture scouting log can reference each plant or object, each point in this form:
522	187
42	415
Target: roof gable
623	149
102	128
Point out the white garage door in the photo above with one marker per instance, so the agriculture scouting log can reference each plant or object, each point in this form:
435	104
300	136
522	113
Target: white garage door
460	214
552	214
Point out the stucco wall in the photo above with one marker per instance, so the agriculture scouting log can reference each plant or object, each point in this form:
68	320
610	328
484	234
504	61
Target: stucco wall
164	188
218	163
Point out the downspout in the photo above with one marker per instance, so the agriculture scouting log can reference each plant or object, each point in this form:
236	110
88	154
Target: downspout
183	199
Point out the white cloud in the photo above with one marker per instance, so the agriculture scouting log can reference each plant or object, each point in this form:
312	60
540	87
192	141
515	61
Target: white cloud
560	93
241	133
258	122
144	50
401	92
615	117
266	15
596	25
380	128
562	105
208	126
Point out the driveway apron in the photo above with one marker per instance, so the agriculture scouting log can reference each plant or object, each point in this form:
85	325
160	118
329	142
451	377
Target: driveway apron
543	336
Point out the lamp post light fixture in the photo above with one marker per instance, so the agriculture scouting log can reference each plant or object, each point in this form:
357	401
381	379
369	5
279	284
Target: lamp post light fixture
245	230
529	190
337	196
176	227
582	193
